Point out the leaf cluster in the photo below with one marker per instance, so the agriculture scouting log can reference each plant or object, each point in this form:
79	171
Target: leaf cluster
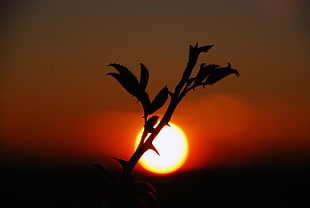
208	74
126	192
138	88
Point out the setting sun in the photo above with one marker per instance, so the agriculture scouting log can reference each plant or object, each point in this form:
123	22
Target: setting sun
172	146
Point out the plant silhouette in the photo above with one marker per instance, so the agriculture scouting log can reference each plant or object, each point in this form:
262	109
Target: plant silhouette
127	191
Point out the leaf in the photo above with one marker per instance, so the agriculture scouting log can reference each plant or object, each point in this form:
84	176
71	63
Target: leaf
146	103
123	81
124	71
108	179
220	73
159	100
145	186
101	168
203	72
127	79
147	192
144	77
105	172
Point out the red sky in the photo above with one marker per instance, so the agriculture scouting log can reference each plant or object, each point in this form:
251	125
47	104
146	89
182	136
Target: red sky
57	103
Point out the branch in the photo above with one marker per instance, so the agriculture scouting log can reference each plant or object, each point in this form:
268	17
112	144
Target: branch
207	75
194	52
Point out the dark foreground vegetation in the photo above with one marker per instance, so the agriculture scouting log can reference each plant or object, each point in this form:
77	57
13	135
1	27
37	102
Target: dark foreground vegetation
42	185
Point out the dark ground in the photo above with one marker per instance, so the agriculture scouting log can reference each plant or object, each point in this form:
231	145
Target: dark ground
41	185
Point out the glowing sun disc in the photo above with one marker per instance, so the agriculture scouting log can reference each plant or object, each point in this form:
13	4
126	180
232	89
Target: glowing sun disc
172	146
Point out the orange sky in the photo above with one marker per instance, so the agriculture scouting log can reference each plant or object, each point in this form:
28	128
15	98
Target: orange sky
56	101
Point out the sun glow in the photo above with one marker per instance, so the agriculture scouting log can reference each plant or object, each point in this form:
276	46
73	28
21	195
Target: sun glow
172	146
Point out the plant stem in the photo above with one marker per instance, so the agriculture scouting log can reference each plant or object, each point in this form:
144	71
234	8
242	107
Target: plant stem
144	146
180	90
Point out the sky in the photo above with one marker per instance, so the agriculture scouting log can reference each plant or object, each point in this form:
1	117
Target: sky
57	103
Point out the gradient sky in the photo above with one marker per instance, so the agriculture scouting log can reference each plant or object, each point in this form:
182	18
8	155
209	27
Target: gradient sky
57	103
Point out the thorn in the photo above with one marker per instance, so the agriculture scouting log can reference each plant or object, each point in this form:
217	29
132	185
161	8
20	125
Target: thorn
152	147
123	163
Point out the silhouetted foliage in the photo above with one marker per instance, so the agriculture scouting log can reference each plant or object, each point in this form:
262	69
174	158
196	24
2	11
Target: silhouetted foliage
129	192
127	79
144	77
159	100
